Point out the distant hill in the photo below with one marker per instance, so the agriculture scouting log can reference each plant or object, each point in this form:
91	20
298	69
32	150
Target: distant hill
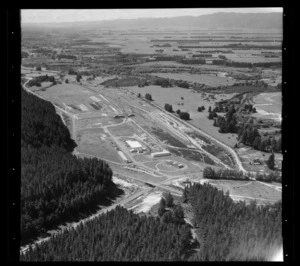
216	21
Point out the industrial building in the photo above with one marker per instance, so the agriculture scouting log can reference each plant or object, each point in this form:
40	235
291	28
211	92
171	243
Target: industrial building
161	153
133	144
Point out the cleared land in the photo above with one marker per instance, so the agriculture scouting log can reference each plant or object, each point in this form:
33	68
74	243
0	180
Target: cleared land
207	79
268	105
97	143
247	190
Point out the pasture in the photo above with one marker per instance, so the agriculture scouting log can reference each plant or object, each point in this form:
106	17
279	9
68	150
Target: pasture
212	80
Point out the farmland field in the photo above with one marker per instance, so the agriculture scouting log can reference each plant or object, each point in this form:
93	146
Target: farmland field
207	79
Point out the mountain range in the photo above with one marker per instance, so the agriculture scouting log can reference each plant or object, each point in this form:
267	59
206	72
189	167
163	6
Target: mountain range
222	20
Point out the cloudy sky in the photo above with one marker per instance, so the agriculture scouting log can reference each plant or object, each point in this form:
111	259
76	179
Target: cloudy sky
69	15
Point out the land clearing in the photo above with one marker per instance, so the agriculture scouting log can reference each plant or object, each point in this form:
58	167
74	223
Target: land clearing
247	190
95	142
126	129
248	155
147	202
268	105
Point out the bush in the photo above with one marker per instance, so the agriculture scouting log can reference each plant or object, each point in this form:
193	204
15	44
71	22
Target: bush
148	97
184	115
169	108
72	72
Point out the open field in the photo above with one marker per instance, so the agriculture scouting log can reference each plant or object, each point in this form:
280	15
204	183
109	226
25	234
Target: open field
126	129
190	167
93	122
146	203
268	105
248	155
207	79
97	143
247	190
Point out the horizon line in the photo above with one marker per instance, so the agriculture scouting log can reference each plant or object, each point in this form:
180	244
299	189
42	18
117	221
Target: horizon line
114	19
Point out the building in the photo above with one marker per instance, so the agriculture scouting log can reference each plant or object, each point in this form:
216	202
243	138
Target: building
133	144
180	165
208	61
160	154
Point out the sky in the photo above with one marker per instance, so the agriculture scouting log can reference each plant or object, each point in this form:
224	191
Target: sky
69	15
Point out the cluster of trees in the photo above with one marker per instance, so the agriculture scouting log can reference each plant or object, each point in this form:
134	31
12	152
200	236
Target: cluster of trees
38	80
248	134
230	231
227	124
164	83
169	212
24	54
72	72
222	57
250	65
201	108
148	97
183	84
118	235
224	173
55	185
78	77
271	162
191	61
169	107
272	177
42	51
249	108
66	56
184	115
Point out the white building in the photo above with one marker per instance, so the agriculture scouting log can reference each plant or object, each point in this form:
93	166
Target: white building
133	144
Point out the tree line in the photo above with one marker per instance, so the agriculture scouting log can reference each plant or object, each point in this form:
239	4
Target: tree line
55	185
223	173
38	80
